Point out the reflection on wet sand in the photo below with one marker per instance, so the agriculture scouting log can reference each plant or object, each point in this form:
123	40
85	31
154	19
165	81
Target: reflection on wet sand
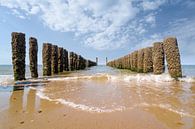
31	100
16	100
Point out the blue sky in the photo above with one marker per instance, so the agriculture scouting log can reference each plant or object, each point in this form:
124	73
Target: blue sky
110	28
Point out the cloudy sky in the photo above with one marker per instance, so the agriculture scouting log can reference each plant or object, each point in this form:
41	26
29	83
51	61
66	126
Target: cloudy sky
102	28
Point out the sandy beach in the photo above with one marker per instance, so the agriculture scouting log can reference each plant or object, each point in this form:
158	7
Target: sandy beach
99	101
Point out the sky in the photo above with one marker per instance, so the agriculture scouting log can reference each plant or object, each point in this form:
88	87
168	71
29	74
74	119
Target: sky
98	28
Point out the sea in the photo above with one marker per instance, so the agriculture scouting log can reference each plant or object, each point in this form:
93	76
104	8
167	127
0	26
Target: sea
6	73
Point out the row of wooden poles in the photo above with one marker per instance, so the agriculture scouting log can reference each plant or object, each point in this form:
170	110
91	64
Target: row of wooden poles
55	59
152	59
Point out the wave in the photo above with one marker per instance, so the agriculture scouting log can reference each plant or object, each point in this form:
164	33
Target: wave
168	107
91	77
187	79
6	80
94	109
127	78
82	107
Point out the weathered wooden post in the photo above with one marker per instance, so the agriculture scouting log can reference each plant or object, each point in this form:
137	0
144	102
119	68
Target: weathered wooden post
128	61
65	60
60	59
131	61
135	60
171	49
77	62
148	61
140	62
18	55
46	55
54	58
158	58
71	60
74	61
33	50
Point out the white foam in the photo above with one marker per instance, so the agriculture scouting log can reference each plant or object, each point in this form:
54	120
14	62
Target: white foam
187	79
82	107
6	80
128	78
94	109
168	107
96	76
148	78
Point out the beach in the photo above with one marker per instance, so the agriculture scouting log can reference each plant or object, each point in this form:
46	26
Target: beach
100	97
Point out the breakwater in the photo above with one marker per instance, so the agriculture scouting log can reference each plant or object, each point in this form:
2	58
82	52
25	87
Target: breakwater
54	59
152	59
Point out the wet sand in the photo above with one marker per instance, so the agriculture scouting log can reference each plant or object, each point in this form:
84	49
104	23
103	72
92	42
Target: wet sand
26	110
99	101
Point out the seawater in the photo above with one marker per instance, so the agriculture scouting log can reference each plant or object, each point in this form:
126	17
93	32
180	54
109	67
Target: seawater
6	73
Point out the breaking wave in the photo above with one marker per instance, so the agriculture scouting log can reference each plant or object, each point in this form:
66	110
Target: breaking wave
128	78
94	109
6	80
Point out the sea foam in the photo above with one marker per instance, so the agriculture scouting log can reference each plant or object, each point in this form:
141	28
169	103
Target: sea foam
82	107
127	78
6	80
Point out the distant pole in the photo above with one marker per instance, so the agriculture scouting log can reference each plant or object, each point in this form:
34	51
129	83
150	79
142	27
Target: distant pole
106	60
33	50
18	55
97	60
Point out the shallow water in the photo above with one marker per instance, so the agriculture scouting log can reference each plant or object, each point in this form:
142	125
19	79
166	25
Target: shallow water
103	89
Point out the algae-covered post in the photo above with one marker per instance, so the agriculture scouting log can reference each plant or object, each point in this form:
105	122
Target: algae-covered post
33	50
148	61
134	68
74	61
54	58
18	55
171	49
60	59
158	58
140	61
71	60
65	59
131	61
77	62
46	57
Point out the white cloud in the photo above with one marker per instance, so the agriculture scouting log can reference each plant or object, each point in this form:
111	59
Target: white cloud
101	24
148	41
152	5
184	30
150	18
